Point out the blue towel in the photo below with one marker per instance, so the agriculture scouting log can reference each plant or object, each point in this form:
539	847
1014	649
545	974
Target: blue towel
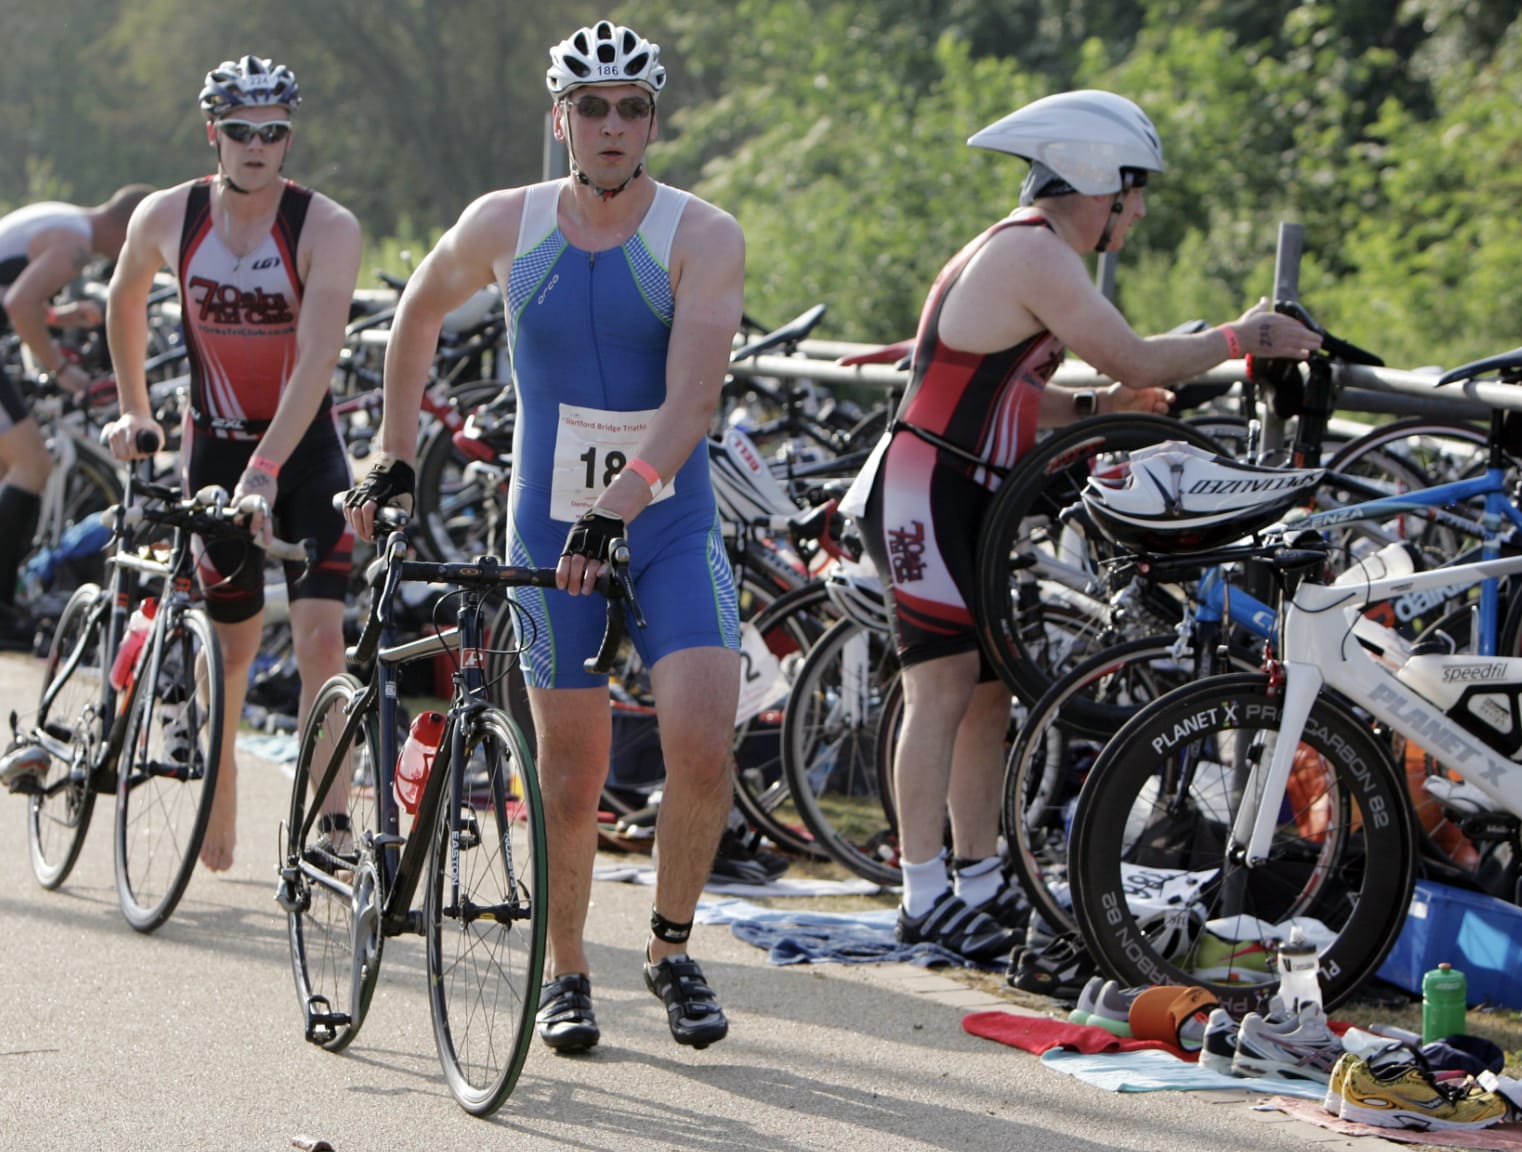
1155	1071
797	937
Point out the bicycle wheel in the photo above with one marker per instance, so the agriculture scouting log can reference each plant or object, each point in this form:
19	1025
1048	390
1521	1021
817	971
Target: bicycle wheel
1157	889
788	627
829	748
167	768
335	966
459	507
58	815
1056	746
1399	457
1023	531
486	936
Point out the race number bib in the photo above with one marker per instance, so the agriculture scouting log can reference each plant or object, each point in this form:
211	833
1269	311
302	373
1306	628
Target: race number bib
762	683
591	449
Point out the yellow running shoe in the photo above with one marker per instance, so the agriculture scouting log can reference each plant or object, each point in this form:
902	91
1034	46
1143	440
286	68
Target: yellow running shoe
1404	1095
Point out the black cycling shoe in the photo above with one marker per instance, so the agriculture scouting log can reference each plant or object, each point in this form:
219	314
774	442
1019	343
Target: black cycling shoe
564	1020
1010	908
692	1012
741	860
957	928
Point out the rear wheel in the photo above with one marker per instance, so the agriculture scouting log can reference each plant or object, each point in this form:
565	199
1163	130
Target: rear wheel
167	768
486	931
325	886
830	748
1032	560
69	718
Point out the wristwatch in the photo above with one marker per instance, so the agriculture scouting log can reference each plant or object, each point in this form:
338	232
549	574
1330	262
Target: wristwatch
1085	402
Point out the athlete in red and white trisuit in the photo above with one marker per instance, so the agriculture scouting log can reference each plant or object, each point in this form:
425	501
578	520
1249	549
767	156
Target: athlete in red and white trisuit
994	328
266	271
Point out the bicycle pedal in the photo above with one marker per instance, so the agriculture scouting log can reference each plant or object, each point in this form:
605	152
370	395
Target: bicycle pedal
322	1022
385	840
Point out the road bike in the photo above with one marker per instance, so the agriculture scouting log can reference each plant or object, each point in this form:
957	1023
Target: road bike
146	730
357	852
1267	799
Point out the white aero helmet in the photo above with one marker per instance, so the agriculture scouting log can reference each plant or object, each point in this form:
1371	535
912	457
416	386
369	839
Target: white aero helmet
1084	138
605	53
1175	497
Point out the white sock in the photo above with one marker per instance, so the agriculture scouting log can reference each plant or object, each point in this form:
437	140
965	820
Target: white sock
979	883
924	884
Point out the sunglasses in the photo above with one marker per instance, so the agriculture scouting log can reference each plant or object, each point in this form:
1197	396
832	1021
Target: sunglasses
629	108
242	131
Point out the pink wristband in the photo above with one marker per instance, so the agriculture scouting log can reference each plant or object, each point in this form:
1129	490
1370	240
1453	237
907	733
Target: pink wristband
1233	345
646	472
264	464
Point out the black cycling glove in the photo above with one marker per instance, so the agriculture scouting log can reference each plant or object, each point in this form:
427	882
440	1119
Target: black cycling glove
593	534
390	484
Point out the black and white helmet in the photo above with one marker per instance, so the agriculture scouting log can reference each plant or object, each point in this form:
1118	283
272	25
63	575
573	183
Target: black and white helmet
605	53
1084	138
1175	497
251	81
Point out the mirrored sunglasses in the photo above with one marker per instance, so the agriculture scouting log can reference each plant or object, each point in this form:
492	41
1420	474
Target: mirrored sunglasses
629	108
242	131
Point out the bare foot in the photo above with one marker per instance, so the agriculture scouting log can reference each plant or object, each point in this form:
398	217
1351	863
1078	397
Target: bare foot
221	828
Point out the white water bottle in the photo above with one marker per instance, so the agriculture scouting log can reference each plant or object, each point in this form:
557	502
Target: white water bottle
1299	971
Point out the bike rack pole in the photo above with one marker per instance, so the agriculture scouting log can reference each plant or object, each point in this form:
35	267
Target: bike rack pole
1286	289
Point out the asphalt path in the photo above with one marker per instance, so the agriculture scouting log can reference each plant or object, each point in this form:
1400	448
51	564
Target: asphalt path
191	1039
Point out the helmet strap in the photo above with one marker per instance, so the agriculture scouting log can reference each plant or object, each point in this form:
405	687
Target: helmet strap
1116	209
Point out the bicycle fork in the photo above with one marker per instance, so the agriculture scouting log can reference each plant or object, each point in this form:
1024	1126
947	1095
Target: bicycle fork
1253	829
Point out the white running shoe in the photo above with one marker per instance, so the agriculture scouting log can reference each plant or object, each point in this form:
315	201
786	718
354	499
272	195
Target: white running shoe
1305	1051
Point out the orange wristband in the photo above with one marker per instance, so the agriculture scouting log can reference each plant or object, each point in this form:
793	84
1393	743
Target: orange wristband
1233	345
646	472
264	464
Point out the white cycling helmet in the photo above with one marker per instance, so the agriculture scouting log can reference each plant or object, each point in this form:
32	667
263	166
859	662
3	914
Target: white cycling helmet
1086	138
744	488
1175	497
605	53
250	82
854	587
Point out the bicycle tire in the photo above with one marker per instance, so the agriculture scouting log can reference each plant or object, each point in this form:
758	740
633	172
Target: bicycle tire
789	625
457	517
58	816
484	970
1049	759
90	486
829	748
334	966
1406	456
167	767
1024	515
1158	804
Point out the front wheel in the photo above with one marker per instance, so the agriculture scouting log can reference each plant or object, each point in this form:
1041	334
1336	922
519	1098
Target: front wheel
485	914
1164	897
328	891
71	726
167	768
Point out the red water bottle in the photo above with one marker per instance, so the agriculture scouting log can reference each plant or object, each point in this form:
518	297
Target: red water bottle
132	643
416	759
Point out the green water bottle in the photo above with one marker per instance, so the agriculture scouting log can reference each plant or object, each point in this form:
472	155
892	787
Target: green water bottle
1444	991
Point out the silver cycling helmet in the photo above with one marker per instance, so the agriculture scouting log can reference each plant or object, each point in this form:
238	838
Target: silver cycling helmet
1086	139
251	81
1175	497
605	53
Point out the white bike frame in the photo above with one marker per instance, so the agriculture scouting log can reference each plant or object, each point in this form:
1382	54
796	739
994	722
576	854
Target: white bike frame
1320	649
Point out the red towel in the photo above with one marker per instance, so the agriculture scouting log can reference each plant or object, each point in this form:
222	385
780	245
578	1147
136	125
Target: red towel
1040	1034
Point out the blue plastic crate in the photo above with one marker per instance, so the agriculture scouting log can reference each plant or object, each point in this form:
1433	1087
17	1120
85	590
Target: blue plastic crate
1477	934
